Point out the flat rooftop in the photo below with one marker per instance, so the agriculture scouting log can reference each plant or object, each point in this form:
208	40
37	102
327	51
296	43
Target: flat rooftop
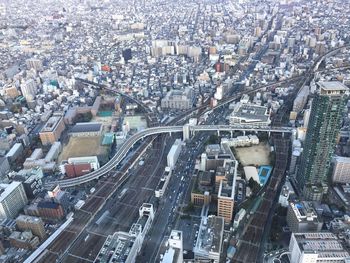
304	212
142	220
171	253
210	235
250	111
324	243
213	149
86	127
342	159
30	219
51	124
227	187
332	85
116	248
6	189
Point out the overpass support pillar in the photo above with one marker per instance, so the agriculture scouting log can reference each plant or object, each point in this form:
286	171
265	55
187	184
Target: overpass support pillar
243	133
282	134
186	132
218	131
269	133
231	133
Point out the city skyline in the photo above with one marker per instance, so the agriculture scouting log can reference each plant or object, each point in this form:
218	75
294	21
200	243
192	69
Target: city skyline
174	131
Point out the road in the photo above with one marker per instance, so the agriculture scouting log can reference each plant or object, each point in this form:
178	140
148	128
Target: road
132	140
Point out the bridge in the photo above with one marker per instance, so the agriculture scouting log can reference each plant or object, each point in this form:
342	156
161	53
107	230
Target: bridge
187	130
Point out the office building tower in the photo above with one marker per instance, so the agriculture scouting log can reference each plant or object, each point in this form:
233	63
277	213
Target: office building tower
25	240
302	217
127	54
208	247
4	166
34	63
52	130
296	152
11	91
316	247
320	139
29	89
174	248
178	99
341	170
50	210
125	246
12	199
226	194
32	223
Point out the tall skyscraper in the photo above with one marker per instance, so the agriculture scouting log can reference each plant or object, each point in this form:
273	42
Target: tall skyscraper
12	199
29	89
323	128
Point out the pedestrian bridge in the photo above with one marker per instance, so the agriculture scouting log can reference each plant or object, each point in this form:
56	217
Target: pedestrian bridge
187	130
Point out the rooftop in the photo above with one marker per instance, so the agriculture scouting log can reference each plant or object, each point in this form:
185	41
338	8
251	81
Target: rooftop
304	211
51	124
342	159
227	187
30	219
50	205
172	249
210	235
86	127
116	246
6	189
332	85
326	244
251	112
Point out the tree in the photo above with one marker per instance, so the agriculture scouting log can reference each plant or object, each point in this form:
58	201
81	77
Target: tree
254	186
189	207
213	139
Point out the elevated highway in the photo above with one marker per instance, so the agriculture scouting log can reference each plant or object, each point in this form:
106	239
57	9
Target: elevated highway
129	143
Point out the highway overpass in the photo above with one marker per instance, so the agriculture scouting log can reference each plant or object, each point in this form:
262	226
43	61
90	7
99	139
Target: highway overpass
129	143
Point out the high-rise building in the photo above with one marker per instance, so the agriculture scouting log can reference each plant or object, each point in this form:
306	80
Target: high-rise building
4	166
226	194
178	99
320	139
29	89
208	247
34	63
25	240
125	246
341	170
302	217
51	132
174	248
316	247
12	199
50	210
32	223
11	91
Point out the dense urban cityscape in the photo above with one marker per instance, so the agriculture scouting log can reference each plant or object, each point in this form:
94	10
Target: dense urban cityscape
175	131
